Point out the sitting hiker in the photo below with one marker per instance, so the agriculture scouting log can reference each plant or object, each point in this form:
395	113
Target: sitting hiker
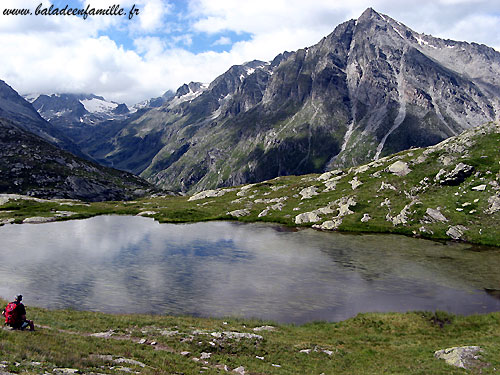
15	315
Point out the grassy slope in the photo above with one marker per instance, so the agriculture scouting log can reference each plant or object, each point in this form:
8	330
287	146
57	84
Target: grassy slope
478	148
367	344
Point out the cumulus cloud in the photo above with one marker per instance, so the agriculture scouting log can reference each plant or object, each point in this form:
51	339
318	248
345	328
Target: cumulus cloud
68	54
222	41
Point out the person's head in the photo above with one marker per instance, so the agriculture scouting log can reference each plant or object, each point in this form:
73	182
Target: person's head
19	298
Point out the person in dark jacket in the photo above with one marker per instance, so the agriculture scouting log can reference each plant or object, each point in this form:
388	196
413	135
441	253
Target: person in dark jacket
18	315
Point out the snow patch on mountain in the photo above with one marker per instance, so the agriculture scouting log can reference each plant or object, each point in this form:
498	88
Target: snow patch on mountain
31	97
95	105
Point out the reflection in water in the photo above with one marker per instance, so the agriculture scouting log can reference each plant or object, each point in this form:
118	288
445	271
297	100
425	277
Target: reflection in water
136	265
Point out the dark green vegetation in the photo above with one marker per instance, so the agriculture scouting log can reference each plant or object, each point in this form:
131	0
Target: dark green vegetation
367	344
450	190
32	166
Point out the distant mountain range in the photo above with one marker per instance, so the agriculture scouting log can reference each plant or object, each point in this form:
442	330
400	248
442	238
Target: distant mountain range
22	113
371	88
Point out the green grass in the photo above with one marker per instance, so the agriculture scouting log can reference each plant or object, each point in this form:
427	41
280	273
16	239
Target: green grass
366	344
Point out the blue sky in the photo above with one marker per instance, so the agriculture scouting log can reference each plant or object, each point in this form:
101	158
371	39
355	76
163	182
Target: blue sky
172	42
176	30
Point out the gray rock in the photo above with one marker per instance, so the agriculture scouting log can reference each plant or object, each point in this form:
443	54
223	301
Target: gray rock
239	213
329	224
205	355
307	217
66	371
399	168
210	194
456	176
264	328
147	213
103	334
355	183
129	361
236	335
435	215
386	186
402	217
239	370
465	357
494	202
344	204
365	218
38	220
328	175
308	192
456	232
479	188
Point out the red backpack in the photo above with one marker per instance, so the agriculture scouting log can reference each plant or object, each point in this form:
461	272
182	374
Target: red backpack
10	314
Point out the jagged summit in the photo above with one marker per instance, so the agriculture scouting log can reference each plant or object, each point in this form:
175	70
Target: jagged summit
368	14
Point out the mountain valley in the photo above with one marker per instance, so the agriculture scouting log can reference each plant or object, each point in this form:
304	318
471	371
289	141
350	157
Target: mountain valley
371	88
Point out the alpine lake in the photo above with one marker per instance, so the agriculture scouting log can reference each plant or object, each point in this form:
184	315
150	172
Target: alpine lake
125	264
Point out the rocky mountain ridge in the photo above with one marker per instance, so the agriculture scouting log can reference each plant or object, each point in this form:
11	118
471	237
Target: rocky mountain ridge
15	108
371	88
31	166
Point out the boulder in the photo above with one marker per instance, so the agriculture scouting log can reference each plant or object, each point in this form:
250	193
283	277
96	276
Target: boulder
435	215
386	186
239	370
308	192
494	202
210	194
399	168
456	176
307	217
38	220
147	213
456	232
402	217
365	218
264	328
239	213
328	175
330	224
344	204
479	188
355	183
465	357
330	185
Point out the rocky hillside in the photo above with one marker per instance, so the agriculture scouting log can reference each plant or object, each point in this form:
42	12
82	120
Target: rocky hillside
371	88
32	166
15	108
450	190
447	191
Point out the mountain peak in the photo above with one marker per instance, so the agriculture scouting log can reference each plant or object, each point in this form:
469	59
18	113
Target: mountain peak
368	14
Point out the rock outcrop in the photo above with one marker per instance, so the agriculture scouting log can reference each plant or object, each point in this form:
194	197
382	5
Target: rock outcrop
465	357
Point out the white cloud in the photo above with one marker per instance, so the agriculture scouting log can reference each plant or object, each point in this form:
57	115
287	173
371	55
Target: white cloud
62	54
222	41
